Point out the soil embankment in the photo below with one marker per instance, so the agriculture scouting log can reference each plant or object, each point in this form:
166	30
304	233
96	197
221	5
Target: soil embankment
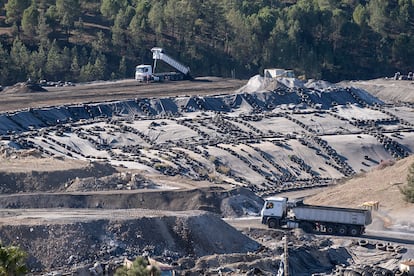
55	239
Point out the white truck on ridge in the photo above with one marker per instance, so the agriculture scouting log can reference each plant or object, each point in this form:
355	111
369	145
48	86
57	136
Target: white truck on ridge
146	72
278	212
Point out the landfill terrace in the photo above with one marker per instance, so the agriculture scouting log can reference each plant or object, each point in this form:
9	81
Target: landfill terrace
153	175
267	141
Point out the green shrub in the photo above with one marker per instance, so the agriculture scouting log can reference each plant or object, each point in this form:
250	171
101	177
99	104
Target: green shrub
408	191
12	260
139	268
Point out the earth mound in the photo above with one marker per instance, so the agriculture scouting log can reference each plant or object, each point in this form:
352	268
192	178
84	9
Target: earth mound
369	187
386	89
46	174
23	87
53	244
227	203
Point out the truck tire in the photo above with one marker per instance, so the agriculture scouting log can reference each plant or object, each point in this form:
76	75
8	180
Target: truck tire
342	230
354	231
381	246
330	229
363	243
273	223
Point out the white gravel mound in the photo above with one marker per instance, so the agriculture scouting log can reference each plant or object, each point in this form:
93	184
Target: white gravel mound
261	84
291	82
319	85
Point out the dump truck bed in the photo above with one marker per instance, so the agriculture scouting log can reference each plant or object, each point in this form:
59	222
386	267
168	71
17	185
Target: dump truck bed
332	214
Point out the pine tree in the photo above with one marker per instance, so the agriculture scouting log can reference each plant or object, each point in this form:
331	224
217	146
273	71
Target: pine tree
75	67
20	58
156	18
14	11
54	64
68	12
408	191
52	17
43	30
5	62
360	15
122	70
99	67
37	63
66	63
30	20
119	37
110	8
12	261
135	31
121	23
100	44
86	72
83	57
69	9
80	27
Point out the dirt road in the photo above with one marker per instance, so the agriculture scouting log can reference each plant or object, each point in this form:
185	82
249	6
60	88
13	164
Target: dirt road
11	100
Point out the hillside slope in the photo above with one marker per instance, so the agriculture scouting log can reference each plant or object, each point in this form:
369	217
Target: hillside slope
388	90
376	185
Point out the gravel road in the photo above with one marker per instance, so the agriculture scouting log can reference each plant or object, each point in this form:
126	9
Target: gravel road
114	90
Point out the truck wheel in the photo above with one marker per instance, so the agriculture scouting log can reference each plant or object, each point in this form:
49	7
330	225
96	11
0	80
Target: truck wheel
330	229
342	230
273	223
354	231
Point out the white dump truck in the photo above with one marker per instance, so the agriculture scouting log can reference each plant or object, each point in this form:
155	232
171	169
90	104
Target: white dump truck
278	212
146	72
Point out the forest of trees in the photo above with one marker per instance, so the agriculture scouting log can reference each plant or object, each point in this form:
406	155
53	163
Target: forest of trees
81	40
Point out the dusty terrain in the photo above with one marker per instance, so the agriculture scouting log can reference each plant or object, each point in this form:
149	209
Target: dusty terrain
95	162
386	89
17	97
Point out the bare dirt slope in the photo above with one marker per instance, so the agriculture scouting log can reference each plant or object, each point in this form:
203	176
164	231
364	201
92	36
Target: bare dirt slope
380	184
388	90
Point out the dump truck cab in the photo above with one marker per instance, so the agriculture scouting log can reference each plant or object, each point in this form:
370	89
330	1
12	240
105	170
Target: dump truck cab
144	72
274	210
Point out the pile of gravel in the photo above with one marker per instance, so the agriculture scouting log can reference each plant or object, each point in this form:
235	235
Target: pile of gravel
66	246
